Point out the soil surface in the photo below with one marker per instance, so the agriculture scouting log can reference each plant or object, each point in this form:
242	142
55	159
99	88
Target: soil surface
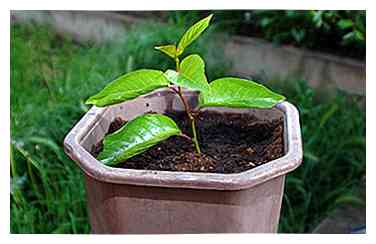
230	143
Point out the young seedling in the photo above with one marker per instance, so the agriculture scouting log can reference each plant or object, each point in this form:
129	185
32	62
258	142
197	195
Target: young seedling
147	130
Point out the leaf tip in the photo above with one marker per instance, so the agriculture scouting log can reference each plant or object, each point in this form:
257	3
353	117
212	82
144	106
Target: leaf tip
281	97
89	101
210	17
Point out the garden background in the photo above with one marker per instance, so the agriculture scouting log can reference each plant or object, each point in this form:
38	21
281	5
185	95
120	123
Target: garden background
54	70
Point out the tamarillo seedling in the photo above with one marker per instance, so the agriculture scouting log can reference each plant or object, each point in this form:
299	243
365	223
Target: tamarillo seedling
147	130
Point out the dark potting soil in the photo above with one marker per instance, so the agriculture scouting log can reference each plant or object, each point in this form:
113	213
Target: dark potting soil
230	143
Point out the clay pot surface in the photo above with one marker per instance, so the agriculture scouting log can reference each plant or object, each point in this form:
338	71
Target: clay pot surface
145	201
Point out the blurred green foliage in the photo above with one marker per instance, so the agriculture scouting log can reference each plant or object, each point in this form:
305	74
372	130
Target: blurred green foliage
334	157
341	32
52	75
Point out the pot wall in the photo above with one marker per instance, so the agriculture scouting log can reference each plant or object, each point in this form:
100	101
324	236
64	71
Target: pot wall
116	208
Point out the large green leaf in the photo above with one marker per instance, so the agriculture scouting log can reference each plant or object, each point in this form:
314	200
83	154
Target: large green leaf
238	93
170	50
192	33
137	136
129	86
191	74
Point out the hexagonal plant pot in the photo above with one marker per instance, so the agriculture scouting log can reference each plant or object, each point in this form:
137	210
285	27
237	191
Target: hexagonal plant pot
145	201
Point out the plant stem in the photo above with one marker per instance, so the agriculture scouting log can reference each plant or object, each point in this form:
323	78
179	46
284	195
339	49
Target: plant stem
192	119
177	64
186	136
195	136
17	192
188	110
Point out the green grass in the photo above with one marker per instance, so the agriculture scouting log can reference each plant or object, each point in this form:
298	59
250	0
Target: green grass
51	76
334	161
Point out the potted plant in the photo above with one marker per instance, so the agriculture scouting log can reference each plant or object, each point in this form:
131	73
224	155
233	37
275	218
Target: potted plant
169	152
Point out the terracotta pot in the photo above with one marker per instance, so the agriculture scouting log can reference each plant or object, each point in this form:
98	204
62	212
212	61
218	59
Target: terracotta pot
145	201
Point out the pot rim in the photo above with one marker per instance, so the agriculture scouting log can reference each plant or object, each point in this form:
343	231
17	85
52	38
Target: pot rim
177	179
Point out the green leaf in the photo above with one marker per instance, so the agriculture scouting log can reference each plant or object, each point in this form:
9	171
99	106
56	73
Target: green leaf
359	35
192	33
317	18
170	50
137	136
191	74
298	34
129	86
345	23
348	37
328	114
349	198
238	93
265	21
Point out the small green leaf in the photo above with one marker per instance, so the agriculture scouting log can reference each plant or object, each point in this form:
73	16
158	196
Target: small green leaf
317	18
192	33
191	74
359	35
348	37
137	136
298	34
238	93
345	23
170	50
265	21
129	86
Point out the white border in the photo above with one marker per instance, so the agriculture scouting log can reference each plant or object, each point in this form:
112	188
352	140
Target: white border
185	5
172	5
